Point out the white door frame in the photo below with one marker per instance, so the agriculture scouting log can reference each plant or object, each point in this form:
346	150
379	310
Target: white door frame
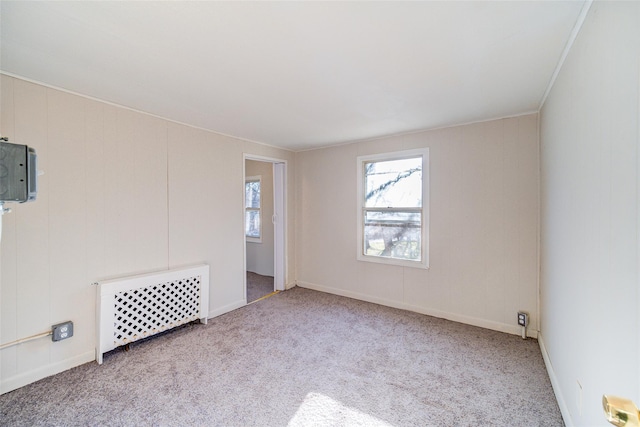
279	225
279	219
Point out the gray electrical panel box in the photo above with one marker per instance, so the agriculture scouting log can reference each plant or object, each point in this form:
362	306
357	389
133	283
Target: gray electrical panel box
18	173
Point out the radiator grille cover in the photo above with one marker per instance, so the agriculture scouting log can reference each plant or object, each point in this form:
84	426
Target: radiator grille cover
136	307
147	311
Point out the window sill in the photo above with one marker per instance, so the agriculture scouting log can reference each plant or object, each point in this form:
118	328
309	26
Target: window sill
393	261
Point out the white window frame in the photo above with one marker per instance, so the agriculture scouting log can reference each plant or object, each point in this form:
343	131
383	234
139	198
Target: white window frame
257	178
396	155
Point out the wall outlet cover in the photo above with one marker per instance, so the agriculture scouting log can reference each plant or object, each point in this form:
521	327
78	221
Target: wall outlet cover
62	331
523	319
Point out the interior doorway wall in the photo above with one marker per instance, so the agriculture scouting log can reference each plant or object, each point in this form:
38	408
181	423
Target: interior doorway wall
259	251
268	257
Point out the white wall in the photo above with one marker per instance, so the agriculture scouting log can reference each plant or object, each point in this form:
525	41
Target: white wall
123	193
260	255
483	230
589	216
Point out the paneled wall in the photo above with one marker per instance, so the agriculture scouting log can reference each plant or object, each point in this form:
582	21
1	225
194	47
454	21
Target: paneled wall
122	193
590	289
483	225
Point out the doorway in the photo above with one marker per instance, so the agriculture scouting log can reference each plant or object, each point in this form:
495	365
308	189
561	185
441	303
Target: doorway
264	204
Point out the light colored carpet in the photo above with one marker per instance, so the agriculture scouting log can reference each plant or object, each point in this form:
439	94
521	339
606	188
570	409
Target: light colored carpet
258	286
303	358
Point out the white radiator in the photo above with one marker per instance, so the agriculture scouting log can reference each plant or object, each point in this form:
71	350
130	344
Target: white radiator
137	307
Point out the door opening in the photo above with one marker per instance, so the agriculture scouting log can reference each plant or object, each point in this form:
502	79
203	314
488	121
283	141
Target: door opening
264	204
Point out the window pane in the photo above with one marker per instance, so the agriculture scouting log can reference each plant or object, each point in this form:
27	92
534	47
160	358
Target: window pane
252	194
393	234
393	183
252	224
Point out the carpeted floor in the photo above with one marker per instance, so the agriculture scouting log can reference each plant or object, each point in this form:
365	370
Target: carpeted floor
302	358
258	286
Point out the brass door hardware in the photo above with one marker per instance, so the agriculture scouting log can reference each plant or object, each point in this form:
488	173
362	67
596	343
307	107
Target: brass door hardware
621	412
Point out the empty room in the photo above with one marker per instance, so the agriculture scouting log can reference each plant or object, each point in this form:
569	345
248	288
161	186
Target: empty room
320	213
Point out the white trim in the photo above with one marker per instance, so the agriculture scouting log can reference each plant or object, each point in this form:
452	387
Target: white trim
279	224
395	155
567	48
227	308
539	227
264	144
455	317
280	259
266	159
638	224
414	132
25	378
93	98
555	384
244	233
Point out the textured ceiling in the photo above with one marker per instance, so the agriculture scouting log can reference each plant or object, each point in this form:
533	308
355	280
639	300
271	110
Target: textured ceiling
295	74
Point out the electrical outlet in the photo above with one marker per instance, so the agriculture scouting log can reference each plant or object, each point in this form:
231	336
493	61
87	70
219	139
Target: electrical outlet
523	319
62	331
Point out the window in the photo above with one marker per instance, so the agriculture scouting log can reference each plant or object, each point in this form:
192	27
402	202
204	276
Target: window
252	223
393	200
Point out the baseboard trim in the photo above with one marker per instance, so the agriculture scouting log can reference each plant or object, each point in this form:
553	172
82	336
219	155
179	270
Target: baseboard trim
226	308
455	317
21	380
562	403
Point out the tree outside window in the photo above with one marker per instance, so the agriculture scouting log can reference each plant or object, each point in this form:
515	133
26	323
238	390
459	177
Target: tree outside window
253	227
392	208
